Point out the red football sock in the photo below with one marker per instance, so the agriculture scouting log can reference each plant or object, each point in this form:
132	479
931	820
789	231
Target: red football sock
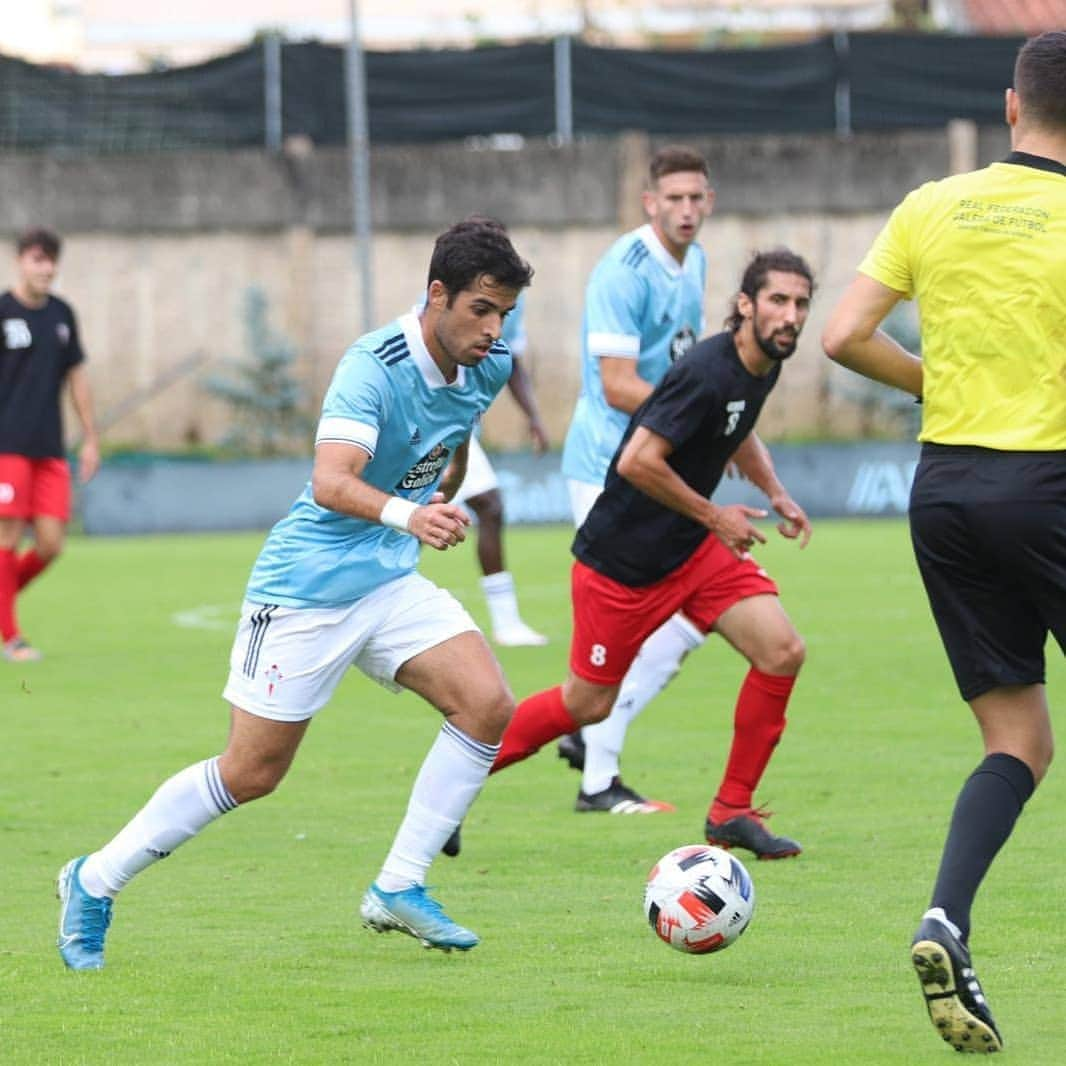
30	564
758	722
8	588
537	721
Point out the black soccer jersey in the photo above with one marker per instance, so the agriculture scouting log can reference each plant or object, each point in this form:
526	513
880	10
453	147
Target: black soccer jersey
705	406
38	346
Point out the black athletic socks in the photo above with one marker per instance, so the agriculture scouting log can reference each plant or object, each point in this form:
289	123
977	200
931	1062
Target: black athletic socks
985	812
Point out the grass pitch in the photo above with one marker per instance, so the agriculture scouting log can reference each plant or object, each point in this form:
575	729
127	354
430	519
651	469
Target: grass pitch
245	946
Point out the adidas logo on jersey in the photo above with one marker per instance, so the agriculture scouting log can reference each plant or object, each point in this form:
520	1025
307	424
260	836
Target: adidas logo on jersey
416	438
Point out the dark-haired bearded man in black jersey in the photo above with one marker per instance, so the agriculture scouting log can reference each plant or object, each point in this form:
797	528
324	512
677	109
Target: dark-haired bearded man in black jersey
654	543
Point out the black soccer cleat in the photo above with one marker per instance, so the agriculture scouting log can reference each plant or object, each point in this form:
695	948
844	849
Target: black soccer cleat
454	844
957	1006
747	829
617	798
572	749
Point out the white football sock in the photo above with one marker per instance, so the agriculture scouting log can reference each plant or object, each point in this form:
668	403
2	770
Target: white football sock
502	600
179	809
448	783
656	663
939	914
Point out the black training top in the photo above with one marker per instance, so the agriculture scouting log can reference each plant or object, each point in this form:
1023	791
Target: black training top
705	406
38	346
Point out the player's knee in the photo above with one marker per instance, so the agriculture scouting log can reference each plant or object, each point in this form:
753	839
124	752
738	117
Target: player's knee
48	550
1042	758
594	707
253	782
785	657
500	709
489	509
11	530
489	718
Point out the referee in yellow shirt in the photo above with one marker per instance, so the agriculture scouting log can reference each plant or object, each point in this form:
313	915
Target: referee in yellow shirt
984	254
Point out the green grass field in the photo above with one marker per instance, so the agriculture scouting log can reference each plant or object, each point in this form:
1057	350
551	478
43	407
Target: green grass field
245	946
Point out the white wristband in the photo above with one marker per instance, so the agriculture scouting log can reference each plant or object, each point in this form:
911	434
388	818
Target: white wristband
396	514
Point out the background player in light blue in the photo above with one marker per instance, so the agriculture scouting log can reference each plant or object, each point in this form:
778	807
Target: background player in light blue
335	585
643	311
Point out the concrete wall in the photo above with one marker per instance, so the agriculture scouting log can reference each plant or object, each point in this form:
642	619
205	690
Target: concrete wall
161	250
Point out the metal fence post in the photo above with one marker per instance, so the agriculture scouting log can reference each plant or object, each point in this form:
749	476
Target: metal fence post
272	91
564	90
842	96
359	152
962	145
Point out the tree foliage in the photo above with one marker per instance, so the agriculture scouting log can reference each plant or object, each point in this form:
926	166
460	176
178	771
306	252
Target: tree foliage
267	401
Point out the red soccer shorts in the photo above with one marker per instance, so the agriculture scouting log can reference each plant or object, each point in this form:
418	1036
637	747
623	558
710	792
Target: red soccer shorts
612	620
32	487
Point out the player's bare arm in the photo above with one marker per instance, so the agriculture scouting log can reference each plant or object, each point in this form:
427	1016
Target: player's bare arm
643	463
81	398
754	461
337	484
453	476
623	387
851	337
733	469
522	390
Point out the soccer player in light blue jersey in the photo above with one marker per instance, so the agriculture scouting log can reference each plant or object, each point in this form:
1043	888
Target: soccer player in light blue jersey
480	492
643	311
335	585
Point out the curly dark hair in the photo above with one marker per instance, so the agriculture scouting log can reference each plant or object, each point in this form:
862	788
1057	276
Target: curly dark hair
477	245
780	259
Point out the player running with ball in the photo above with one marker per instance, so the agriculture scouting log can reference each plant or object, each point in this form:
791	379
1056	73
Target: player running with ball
336	585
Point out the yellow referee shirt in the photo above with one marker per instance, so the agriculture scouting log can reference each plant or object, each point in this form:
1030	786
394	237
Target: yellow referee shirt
984	254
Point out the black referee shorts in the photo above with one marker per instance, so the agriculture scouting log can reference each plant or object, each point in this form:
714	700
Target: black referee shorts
989	534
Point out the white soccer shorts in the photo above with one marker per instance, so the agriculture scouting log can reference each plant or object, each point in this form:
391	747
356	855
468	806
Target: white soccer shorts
286	661
583	494
480	477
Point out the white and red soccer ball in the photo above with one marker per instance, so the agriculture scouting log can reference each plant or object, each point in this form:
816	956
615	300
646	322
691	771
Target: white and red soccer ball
699	899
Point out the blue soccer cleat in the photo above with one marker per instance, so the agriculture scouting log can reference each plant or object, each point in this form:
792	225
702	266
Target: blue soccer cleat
83	920
415	912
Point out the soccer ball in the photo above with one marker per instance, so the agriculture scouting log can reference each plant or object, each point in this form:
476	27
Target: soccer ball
699	899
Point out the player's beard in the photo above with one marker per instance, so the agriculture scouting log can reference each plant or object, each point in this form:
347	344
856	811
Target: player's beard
771	350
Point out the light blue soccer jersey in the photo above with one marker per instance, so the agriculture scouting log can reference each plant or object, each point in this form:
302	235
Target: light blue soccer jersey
640	303
388	397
